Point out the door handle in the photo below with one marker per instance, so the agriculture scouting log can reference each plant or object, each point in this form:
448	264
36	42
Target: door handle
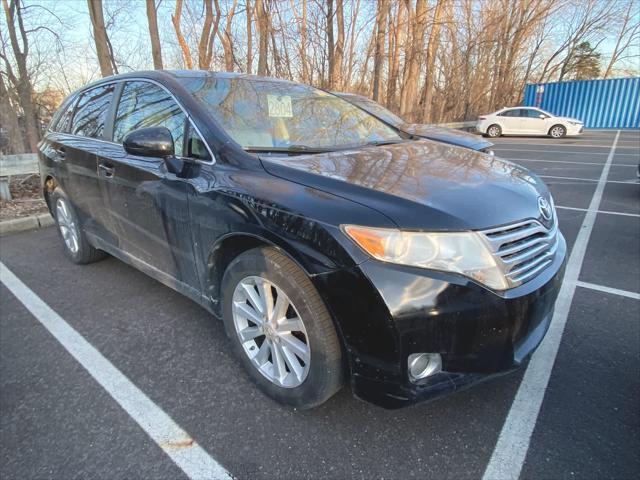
107	170
61	151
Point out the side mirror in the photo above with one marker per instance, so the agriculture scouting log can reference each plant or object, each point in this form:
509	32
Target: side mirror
542	116
150	142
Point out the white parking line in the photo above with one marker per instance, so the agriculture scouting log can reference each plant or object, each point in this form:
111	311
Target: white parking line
580	179
615	291
563	145
571	162
513	443
608	212
194	461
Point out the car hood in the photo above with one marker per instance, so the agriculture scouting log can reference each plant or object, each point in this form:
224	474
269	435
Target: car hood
447	135
421	185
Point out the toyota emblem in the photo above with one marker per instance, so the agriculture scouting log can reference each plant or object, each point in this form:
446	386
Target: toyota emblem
545	208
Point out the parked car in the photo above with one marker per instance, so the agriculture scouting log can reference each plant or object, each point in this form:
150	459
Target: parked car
333	247
527	121
439	134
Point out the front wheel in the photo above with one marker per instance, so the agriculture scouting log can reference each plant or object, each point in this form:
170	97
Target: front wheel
557	131
280	329
494	131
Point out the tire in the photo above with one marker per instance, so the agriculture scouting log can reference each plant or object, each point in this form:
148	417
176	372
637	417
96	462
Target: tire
557	131
494	131
322	373
74	241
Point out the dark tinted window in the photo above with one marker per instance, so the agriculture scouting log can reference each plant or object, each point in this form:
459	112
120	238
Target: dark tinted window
91	112
144	104
532	113
511	113
196	147
62	119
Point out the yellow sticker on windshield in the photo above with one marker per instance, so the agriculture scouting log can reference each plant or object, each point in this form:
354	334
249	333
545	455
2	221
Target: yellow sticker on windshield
279	106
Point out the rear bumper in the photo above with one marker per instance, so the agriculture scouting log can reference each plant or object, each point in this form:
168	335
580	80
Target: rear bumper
386	312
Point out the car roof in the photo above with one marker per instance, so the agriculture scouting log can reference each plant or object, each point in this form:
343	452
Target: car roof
160	75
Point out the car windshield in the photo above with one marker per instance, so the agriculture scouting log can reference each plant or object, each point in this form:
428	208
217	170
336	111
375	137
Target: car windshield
277	116
378	110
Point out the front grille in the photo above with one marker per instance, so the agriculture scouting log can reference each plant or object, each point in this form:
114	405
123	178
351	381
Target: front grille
523	250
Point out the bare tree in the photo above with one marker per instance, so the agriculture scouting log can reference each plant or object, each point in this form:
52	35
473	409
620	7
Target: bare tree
262	17
105	56
156	51
184	46
227	40
248	13
381	32
628	37
13	10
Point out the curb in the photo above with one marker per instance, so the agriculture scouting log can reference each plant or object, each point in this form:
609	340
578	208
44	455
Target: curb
33	222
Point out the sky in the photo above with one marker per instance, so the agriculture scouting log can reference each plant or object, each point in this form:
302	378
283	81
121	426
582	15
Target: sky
129	35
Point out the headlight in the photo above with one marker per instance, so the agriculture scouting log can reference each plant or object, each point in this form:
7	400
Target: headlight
459	252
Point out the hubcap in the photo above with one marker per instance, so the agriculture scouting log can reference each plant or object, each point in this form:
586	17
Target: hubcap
493	131
271	332
556	132
67	225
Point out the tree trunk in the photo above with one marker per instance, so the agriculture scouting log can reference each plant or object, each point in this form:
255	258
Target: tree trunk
381	33
208	35
395	40
156	51
184	46
100	37
330	42
338	53
13	12
249	11
227	41
430	60
409	92
263	32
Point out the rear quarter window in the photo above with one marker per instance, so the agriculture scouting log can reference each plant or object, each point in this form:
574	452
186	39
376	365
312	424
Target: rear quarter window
91	112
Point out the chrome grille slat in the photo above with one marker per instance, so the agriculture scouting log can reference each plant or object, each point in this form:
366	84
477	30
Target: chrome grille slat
523	249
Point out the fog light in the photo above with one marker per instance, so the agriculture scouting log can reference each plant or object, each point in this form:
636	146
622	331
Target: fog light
422	365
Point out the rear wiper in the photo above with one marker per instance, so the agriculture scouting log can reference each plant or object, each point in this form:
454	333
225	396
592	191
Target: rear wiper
294	149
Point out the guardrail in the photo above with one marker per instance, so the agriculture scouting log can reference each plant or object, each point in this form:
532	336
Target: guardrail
20	164
458	125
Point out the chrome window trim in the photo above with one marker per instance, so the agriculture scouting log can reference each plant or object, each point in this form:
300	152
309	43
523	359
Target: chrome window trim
139	79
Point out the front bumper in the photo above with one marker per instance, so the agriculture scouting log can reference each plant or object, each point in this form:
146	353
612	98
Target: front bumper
386	312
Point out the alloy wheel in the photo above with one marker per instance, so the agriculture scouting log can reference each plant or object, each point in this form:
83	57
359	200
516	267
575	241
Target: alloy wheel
271	332
67	226
557	132
494	131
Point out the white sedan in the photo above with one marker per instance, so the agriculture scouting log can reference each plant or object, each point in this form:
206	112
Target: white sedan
527	121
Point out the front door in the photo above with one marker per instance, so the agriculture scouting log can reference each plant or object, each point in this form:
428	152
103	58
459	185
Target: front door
149	203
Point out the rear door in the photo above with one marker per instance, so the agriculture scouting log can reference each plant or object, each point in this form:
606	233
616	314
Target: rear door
510	120
149	203
77	148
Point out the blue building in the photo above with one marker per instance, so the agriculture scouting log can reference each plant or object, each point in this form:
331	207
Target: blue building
611	103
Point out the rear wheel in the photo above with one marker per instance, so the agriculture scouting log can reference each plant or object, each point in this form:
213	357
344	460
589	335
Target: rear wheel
76	246
494	131
557	131
280	329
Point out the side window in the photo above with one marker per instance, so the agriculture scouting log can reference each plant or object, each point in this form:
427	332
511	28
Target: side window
91	112
61	116
533	113
196	147
511	113
144	104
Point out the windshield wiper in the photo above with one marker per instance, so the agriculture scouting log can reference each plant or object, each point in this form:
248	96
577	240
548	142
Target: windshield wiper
292	149
377	143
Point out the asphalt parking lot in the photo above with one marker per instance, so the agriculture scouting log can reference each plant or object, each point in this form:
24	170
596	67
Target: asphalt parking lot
58	420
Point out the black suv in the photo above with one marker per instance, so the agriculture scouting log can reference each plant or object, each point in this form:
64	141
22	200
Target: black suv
333	246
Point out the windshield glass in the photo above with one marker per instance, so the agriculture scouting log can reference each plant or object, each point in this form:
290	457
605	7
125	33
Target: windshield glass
379	111
261	114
